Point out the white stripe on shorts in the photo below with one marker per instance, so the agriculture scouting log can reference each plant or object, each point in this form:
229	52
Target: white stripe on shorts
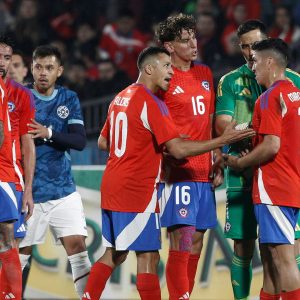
6	187
132	231
282	222
165	197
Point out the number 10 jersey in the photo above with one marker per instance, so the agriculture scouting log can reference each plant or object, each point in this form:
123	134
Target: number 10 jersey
137	126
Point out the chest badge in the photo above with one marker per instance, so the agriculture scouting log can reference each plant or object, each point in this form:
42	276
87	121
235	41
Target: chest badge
205	84
11	106
62	112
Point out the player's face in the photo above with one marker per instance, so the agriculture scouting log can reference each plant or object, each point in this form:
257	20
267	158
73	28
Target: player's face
5	59
184	48
45	71
17	70
163	72
260	68
246	41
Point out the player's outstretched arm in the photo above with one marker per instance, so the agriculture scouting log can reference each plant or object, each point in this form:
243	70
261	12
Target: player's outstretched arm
180	148
263	152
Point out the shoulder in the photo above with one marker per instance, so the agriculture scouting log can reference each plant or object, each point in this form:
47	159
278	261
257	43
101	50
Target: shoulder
232	75
66	92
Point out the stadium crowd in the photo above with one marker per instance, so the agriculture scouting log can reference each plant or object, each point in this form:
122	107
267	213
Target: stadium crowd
100	40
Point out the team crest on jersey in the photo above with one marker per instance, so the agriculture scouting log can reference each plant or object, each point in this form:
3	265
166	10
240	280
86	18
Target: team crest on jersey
62	111
227	226
11	106
205	84
183	212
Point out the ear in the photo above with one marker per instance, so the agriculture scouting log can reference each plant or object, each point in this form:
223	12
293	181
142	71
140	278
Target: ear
169	47
60	71
148	69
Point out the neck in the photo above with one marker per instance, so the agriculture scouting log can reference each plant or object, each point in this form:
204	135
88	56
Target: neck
180	64
147	83
275	75
44	92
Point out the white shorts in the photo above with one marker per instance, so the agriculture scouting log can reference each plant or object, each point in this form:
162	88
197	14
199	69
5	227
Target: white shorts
65	217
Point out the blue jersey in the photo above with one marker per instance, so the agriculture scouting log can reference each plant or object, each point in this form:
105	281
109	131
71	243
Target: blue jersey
53	179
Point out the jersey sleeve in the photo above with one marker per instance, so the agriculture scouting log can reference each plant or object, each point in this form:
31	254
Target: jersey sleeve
270	114
105	130
75	116
225	103
157	119
28	111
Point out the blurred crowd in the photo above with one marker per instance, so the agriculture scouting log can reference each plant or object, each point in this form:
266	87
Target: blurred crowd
101	39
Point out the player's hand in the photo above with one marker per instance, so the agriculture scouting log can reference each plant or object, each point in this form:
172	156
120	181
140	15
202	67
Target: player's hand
232	135
244	152
27	204
217	170
38	130
232	162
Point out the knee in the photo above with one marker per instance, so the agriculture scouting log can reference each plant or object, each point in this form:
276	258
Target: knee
120	257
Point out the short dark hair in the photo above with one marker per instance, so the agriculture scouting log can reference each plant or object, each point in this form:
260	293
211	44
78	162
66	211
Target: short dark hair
277	46
148	52
171	28
7	40
250	25
47	50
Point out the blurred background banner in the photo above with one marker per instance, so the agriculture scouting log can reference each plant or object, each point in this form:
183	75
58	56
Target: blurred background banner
50	276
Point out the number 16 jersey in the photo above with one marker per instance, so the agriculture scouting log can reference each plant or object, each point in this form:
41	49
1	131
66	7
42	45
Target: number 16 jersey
191	102
137	125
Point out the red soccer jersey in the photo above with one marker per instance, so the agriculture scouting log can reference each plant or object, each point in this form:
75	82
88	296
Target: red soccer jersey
191	102
277	112
7	173
137	125
21	111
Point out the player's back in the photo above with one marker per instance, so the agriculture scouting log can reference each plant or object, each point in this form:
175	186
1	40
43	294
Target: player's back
191	102
137	124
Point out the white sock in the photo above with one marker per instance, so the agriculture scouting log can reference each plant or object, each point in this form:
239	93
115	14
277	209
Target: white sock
24	260
80	265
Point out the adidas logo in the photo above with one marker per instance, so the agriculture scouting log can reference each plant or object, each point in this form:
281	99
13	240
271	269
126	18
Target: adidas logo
9	296
21	228
185	296
86	296
178	90
235	283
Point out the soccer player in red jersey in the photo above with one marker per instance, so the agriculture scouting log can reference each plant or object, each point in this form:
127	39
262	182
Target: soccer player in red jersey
276	186
186	195
138	128
21	111
11	268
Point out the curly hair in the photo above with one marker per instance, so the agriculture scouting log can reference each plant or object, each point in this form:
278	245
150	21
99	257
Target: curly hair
171	28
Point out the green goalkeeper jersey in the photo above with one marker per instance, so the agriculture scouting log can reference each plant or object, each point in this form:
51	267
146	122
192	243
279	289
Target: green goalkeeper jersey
236	96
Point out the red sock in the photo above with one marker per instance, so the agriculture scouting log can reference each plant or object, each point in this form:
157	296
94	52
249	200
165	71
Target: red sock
292	295
11	273
265	296
176	274
98	277
148	286
192	269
